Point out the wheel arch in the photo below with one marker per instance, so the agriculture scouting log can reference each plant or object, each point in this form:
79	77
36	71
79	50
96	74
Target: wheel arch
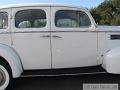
10	56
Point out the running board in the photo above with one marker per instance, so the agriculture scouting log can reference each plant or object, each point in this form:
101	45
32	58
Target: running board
62	72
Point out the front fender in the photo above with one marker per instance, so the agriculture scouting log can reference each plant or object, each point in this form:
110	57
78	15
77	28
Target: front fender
111	61
10	55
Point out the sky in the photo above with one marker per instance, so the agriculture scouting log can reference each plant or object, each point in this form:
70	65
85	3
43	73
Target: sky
83	3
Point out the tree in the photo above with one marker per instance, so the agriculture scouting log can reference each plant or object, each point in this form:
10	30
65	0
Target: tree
107	13
95	15
116	20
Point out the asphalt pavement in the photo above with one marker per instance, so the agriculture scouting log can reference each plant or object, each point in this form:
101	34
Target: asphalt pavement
63	82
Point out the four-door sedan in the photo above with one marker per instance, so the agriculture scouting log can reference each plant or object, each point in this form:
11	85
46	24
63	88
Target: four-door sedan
54	39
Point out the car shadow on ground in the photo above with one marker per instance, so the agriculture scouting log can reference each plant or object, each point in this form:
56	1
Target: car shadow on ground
62	82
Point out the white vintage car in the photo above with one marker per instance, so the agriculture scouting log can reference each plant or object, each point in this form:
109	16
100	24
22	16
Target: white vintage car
54	39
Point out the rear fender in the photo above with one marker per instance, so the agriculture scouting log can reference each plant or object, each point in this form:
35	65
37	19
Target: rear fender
13	59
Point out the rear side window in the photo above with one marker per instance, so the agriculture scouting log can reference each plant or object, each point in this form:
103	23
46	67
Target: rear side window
3	20
31	18
71	19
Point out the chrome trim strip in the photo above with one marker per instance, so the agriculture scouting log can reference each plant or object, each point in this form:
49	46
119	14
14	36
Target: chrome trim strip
4	32
42	32
53	32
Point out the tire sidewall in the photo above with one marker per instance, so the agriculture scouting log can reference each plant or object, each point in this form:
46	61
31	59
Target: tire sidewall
4	86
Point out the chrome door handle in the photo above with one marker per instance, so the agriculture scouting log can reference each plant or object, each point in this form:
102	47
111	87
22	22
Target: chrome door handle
45	36
55	36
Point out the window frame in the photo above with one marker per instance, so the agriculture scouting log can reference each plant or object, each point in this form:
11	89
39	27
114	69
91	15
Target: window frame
44	8
31	9
85	29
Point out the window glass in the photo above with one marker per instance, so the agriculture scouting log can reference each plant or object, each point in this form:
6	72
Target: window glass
71	18
31	18
3	20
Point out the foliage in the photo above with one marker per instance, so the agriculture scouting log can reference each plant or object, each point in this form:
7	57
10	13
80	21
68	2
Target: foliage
107	13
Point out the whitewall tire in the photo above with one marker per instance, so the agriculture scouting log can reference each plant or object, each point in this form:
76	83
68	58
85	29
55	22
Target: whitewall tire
4	78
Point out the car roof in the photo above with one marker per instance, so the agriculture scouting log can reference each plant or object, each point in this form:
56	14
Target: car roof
38	4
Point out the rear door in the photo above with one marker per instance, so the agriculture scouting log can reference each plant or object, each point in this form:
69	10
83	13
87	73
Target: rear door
74	44
31	36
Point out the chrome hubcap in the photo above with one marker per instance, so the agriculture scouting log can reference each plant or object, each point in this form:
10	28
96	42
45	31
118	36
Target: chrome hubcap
2	77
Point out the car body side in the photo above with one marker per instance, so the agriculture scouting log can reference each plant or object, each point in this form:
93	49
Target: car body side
27	49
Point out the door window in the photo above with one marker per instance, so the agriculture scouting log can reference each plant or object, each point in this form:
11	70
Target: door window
30	18
71	19
3	20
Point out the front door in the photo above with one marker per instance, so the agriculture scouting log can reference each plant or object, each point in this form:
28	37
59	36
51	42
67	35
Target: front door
73	44
31	36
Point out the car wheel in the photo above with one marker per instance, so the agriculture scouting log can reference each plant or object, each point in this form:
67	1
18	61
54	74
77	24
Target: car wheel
4	77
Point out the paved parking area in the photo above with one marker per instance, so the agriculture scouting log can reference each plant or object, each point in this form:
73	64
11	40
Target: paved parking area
62	82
